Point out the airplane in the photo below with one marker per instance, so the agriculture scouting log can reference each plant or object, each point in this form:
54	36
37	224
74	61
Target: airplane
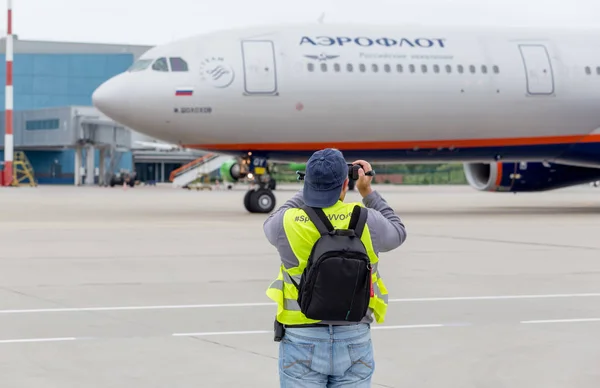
519	107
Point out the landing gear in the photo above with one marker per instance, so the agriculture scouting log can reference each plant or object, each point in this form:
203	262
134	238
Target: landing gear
259	199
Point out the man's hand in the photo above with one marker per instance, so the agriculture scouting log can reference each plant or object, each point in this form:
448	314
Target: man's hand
363	184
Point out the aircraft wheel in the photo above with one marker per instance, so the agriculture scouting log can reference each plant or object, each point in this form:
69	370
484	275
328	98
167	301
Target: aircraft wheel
260	201
247	200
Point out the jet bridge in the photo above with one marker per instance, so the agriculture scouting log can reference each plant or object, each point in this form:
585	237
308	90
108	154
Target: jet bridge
68	142
196	169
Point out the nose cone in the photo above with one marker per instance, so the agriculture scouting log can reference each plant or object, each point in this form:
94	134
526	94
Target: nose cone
112	99
136	102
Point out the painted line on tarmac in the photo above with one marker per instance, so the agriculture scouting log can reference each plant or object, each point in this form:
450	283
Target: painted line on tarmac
34	340
208	334
132	308
233	305
499	297
202	334
576	320
255	332
216	333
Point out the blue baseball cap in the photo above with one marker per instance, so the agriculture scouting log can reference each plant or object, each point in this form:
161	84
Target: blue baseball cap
326	172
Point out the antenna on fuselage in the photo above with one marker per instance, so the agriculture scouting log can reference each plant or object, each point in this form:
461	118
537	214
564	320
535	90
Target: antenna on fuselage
321	18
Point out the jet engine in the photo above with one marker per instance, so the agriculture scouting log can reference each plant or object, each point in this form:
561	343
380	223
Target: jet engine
230	171
527	176
234	170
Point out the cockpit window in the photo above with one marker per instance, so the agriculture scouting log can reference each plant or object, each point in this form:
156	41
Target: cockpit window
178	64
160	65
140	65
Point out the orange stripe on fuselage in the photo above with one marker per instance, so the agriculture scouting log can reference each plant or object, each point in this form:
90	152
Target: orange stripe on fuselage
499	176
396	145
595	138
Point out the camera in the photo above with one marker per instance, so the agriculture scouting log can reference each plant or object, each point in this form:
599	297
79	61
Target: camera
352	172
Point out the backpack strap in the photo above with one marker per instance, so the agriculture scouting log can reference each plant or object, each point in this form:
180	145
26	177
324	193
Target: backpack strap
318	217
358	220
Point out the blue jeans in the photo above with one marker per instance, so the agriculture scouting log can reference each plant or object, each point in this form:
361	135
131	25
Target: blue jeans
329	356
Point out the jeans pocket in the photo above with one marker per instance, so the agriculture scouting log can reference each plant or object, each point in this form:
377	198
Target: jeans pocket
296	358
361	356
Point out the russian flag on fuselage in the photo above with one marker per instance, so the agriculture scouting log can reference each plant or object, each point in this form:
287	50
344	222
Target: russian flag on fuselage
184	92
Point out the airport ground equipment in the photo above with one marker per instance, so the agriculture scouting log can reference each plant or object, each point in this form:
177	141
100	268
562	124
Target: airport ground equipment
123	177
190	172
22	170
202	184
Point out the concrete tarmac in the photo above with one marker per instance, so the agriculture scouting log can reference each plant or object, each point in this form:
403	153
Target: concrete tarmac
159	287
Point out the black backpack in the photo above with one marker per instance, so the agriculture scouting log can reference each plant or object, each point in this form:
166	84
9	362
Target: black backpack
336	284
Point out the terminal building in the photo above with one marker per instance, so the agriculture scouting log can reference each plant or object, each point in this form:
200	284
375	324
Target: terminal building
65	139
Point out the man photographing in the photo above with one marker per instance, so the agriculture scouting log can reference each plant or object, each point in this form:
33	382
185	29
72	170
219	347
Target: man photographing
329	288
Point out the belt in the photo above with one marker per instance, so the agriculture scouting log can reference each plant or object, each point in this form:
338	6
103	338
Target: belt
307	325
316	325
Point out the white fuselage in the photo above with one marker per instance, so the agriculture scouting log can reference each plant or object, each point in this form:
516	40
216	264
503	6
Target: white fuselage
290	90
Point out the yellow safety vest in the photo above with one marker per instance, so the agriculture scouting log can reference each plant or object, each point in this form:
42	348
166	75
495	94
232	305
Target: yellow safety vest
302	235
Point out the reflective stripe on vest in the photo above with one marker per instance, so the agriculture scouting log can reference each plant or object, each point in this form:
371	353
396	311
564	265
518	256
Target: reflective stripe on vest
302	234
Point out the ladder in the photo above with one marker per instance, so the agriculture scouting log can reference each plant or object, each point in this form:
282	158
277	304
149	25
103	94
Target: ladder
22	170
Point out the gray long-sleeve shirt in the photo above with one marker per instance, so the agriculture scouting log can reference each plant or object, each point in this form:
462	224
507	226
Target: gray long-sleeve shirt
386	228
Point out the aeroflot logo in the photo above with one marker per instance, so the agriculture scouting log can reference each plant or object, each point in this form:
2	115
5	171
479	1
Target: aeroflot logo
217	72
367	42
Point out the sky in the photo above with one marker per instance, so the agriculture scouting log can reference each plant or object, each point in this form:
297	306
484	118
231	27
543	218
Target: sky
152	22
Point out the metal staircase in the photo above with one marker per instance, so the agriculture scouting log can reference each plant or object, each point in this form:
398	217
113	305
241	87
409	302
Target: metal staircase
22	170
196	169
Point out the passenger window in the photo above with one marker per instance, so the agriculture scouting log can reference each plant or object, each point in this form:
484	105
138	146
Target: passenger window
311	67
598	70
337	67
160	65
436	69
362	68
350	68
375	68
461	69
411	68
399	68
484	69
424	68
588	71
387	68
472	69
178	64
324	67
496	69
448	69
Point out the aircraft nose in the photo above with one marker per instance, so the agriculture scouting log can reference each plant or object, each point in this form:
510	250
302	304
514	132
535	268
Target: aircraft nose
112	99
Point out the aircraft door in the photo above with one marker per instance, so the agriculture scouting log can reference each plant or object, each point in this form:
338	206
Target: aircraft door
538	69
260	73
